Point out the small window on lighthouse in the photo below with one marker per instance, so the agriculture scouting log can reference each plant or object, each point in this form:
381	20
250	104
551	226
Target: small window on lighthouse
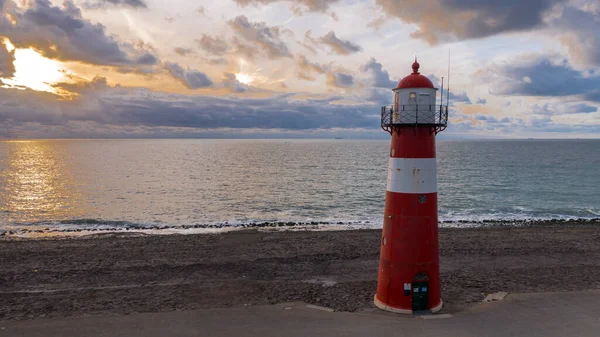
412	98
424	99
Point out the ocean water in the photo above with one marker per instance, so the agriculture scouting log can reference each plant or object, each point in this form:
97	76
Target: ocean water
66	185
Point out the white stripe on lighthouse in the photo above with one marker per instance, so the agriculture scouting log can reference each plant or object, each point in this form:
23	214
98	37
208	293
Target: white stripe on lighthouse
412	175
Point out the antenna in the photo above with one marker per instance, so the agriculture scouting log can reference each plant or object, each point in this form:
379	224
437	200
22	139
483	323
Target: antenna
448	97
442	92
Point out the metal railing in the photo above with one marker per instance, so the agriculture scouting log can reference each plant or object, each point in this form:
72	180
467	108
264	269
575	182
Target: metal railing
396	116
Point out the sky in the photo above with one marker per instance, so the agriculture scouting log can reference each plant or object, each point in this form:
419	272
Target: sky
294	68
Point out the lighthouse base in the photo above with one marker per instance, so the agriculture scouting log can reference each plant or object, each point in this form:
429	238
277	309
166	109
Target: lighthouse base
386	307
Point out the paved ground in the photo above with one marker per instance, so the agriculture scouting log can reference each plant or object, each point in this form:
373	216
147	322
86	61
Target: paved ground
543	314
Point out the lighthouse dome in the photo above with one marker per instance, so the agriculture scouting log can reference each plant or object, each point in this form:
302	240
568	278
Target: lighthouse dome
415	80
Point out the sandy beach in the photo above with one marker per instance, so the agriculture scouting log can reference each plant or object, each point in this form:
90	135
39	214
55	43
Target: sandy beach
117	274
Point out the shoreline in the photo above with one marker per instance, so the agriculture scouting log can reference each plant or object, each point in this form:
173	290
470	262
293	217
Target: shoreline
40	231
121	273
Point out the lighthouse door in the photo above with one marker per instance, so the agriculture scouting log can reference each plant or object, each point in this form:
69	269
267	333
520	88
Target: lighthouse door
420	296
420	292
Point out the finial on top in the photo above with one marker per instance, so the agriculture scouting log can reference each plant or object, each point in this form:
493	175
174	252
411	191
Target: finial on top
415	66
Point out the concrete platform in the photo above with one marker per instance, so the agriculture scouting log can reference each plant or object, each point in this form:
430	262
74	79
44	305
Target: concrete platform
532	315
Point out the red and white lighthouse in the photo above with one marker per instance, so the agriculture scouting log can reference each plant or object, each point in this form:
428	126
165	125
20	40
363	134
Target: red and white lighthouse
409	276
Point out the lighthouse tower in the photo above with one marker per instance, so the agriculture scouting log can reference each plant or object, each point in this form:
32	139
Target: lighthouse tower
409	276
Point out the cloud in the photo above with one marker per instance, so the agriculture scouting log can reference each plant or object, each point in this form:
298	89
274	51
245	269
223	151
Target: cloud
310	5
74	89
7	68
241	48
123	108
190	78
62	33
183	51
267	39
592	96
539	76
231	82
341	47
213	45
481	101
216	61
124	3
144	71
306	69
440	20
379	96
339	80
553	109
381	78
579	31
202	10
461	97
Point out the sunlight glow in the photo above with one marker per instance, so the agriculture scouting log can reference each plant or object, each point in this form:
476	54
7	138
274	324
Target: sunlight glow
9	46
244	78
34	71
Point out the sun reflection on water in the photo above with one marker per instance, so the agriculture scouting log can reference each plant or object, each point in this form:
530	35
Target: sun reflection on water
35	183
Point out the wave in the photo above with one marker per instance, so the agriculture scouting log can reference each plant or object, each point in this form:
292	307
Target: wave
95	226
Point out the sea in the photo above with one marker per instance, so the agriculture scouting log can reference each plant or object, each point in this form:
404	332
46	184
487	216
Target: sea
62	187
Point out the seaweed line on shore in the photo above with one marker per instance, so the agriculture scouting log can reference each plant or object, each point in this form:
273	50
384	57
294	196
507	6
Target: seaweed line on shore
93	226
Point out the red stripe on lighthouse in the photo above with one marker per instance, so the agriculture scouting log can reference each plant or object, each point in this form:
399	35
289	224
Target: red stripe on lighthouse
416	142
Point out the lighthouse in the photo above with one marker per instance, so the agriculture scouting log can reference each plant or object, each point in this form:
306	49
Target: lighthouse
409	274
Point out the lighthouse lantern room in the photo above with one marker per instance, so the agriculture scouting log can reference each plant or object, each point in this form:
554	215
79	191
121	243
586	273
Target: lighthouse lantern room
408	276
415	103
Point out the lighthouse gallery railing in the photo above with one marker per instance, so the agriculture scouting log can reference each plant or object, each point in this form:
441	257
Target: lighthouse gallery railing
394	116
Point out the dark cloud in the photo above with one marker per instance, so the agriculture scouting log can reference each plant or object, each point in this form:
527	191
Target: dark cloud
267	39
339	80
381	78
461	97
310	5
183	51
492	119
481	101
592	96
213	45
202	10
539	77
341	47
466	19
7	68
192	79
579	31
74	89
147	59
574	24
136	107
62	33
550	109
